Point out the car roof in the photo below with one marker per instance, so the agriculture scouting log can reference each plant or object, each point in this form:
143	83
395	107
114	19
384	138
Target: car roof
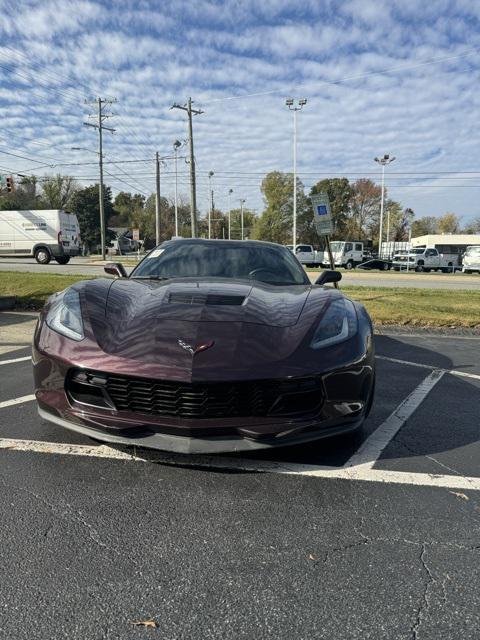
228	243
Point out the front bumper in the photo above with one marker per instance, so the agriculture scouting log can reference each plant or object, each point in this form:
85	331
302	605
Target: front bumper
187	444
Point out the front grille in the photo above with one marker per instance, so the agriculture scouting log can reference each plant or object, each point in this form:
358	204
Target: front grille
259	398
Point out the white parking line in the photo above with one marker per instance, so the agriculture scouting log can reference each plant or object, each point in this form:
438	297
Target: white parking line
453	372
371	449
21	400
360	473
15	360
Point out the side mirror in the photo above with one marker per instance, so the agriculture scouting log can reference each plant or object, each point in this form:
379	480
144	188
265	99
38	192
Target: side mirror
115	269
328	276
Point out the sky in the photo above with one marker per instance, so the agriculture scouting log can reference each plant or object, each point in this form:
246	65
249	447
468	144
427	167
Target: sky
397	77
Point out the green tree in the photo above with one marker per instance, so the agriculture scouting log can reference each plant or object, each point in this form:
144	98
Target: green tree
275	223
24	196
424	226
58	191
449	223
85	204
340	194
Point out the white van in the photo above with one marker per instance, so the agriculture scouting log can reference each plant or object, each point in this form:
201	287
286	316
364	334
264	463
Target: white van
41	234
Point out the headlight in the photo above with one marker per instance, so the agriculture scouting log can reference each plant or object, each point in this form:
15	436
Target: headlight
338	324
65	315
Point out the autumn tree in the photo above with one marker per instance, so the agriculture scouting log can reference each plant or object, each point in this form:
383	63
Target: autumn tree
364	208
449	223
424	226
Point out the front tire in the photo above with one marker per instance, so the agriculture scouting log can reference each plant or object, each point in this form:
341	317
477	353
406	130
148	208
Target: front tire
62	259
420	268
350	265
43	255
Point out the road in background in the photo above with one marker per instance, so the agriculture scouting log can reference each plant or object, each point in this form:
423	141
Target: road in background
84	266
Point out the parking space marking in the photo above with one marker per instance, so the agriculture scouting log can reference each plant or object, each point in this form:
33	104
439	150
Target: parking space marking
360	473
372	447
453	372
13	360
21	400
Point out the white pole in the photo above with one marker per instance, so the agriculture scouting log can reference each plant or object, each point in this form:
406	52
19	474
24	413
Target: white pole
210	206
176	194
380	238
241	215
229	215
294	180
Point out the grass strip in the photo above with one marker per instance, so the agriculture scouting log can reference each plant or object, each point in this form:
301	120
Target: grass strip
386	305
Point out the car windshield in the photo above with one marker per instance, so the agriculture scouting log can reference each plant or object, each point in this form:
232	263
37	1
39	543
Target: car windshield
416	251
472	251
213	259
337	246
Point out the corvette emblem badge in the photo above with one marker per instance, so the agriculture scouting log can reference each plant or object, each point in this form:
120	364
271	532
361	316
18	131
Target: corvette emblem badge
197	349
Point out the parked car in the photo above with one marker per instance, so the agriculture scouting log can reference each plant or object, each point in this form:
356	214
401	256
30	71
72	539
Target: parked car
471	259
208	346
42	234
307	255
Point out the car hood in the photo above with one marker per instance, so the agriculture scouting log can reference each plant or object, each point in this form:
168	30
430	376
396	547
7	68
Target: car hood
145	322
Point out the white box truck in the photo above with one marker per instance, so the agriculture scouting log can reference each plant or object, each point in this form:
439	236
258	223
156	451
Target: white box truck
345	254
42	234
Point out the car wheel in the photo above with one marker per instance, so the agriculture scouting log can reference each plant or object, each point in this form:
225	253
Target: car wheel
62	259
42	255
419	268
349	265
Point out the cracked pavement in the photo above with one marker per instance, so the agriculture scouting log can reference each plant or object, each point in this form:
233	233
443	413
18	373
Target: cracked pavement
90	545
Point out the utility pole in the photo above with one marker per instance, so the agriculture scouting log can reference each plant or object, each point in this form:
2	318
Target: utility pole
386	159
157	199
176	146
193	193
242	202
101	102
210	211
291	105
230	191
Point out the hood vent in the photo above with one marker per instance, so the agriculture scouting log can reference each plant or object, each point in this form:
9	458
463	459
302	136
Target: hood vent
205	299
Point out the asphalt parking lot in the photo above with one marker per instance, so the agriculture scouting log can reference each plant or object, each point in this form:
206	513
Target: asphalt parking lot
376	537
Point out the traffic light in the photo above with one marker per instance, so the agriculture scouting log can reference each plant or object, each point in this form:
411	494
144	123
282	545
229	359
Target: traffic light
10	185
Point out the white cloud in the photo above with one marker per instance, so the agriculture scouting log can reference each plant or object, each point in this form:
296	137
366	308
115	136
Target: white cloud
148	55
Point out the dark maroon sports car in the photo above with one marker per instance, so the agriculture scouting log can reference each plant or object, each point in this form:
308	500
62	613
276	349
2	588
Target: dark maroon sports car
208	346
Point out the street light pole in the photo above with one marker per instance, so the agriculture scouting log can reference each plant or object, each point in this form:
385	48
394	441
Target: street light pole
230	191
383	161
291	105
242	202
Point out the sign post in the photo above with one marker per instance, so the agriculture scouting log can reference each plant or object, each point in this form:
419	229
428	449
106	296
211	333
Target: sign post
322	217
